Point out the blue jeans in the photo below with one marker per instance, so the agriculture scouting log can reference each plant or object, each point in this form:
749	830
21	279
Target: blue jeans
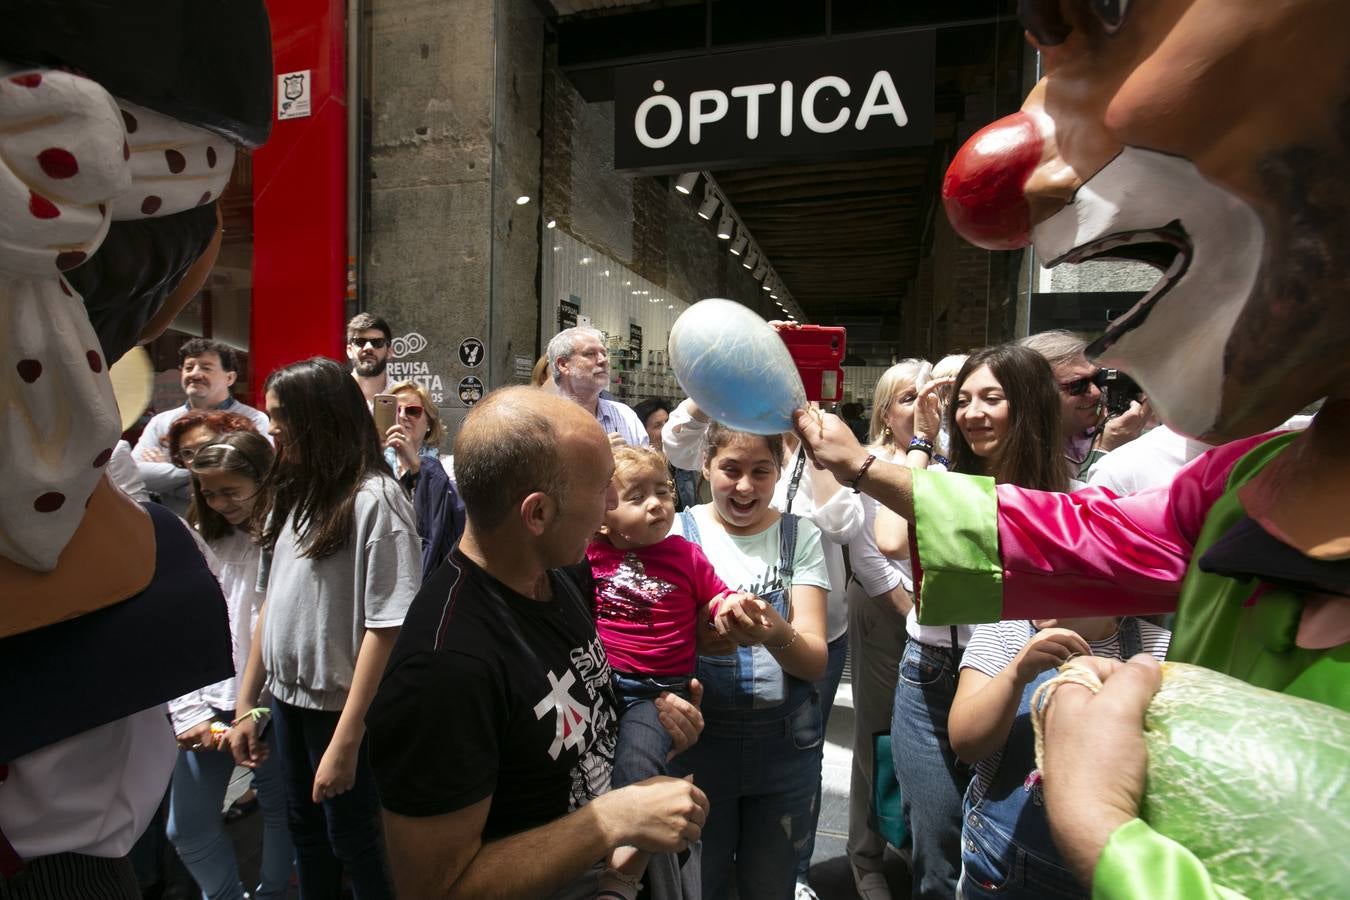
340	834
643	742
197	829
760	778
826	687
932	780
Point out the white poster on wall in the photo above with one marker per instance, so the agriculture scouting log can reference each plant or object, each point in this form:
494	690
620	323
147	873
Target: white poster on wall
293	95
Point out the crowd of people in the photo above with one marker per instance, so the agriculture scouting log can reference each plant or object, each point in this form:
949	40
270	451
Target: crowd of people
608	640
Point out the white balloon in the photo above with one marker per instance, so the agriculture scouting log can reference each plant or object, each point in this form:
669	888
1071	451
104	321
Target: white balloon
736	367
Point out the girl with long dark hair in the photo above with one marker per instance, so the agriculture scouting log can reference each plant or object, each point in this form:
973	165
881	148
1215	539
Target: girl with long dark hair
1002	421
345	564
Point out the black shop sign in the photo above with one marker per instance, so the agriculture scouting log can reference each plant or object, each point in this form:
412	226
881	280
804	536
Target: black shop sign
825	99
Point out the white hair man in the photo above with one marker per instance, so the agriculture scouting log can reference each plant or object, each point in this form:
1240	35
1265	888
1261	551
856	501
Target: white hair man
580	368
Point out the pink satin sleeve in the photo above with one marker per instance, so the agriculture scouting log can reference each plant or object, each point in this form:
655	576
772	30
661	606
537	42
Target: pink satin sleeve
1092	553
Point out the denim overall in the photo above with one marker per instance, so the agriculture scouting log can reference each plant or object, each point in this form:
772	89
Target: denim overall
758	759
751	682
1006	849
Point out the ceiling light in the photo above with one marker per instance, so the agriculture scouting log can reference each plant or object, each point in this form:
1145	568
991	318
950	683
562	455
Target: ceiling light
552	223
685	183
710	204
585	260
724	227
522	200
738	246
773	294
751	259
760	271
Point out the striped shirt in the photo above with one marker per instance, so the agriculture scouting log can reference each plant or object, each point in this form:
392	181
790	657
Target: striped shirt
993	647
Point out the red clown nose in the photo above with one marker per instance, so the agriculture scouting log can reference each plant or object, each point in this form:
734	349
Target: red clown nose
983	190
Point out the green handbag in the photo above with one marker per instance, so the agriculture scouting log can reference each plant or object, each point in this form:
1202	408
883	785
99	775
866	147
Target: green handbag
890	815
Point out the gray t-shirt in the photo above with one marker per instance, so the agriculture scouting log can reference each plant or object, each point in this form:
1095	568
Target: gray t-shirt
319	609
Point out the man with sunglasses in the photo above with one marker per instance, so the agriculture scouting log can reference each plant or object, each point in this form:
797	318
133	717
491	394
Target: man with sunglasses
369	343
1088	434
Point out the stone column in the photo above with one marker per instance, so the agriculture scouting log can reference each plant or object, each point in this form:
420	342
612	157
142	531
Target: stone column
454	102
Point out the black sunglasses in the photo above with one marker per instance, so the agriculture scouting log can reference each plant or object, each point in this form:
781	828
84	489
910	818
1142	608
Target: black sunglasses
377	343
1079	386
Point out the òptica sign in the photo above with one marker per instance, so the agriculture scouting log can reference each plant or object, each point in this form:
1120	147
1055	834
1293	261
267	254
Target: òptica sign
829	98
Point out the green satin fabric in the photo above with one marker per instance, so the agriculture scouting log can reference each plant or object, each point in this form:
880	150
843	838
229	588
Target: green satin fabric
1140	864
1216	628
956	531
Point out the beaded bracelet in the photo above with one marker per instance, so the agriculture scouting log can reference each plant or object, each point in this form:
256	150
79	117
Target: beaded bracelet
924	445
942	460
792	640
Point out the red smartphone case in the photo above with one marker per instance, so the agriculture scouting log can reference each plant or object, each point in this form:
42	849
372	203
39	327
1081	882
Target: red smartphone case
818	351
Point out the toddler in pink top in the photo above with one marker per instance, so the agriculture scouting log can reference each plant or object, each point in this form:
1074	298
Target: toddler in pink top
652	589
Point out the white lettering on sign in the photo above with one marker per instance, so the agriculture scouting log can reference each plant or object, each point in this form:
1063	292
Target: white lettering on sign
419	372
835	83
671	106
881	84
751	93
698	116
706	107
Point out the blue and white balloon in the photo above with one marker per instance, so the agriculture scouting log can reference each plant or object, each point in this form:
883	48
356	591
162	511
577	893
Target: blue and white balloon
736	367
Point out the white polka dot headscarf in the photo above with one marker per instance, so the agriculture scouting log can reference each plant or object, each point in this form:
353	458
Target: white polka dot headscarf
72	159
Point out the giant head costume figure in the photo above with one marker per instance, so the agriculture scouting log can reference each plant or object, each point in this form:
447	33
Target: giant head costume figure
119	124
1210	138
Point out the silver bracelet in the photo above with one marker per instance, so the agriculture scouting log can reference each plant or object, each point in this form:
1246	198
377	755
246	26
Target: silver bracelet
792	640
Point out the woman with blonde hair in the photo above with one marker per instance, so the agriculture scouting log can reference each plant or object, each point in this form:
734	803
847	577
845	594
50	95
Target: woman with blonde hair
410	449
878	599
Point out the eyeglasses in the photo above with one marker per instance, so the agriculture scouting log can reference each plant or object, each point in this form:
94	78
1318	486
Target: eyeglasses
412	412
1079	386
185	456
376	343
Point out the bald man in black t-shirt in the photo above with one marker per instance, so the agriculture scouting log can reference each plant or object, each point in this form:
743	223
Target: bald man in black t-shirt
493	731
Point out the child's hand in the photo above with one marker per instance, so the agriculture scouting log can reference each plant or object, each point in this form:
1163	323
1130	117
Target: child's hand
745	618
1047	649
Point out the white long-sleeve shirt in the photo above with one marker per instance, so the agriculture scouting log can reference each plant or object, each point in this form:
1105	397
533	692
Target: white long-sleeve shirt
233	559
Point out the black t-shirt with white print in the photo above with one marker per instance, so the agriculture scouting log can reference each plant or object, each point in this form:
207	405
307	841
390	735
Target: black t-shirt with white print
491	693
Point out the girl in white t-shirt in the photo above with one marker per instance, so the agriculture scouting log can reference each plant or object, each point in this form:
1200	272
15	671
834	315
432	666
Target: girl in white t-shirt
758	759
226	475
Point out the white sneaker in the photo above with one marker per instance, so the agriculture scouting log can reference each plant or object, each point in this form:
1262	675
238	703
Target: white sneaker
804	892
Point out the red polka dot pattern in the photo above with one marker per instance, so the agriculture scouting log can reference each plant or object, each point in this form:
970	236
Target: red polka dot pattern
211	157
95	361
70	259
177	162
65	288
206	198
30	370
30	80
41	207
126	151
130	122
150	205
49	502
58	163
102	459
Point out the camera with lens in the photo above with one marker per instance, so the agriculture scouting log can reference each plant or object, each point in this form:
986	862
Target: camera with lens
1118	389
